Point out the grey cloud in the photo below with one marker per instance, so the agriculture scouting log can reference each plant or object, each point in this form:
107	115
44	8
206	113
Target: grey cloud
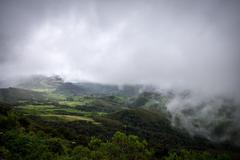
185	44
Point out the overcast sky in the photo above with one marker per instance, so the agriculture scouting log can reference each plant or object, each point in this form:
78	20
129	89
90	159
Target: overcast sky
191	44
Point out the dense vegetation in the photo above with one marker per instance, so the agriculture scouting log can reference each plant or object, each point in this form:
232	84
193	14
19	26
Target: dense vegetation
25	138
47	125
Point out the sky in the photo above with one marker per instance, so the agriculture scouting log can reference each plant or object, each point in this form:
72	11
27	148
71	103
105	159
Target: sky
185	44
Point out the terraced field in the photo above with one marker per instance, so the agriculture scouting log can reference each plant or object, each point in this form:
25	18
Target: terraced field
52	112
59	117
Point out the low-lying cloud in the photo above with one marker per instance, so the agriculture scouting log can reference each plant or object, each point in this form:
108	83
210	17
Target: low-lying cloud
181	44
214	118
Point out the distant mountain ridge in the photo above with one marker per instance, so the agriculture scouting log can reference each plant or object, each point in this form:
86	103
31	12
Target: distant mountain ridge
57	85
14	95
214	117
40	82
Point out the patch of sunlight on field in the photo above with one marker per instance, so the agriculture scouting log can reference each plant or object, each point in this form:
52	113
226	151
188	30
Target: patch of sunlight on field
31	106
71	103
37	109
68	118
43	90
54	96
77	102
49	109
52	112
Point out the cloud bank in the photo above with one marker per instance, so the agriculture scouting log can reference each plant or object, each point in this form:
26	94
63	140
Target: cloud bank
182	44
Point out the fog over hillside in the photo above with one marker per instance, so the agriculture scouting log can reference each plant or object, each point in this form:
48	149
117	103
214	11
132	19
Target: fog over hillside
187	44
170	44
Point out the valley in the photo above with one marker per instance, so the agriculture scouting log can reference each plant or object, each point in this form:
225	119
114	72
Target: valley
73	117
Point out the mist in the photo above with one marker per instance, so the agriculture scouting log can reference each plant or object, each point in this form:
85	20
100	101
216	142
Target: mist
170	44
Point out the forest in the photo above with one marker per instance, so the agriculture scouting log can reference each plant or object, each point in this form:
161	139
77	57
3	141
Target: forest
54	121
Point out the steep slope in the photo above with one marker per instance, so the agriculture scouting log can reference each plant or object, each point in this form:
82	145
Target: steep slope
149	100
13	95
140	118
71	89
84	88
57	85
39	82
156	128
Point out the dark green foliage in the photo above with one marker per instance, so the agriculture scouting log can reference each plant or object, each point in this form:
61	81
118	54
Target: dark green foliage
14	95
195	155
154	127
99	105
8	118
139	117
56	145
120	147
32	137
25	145
4	153
116	131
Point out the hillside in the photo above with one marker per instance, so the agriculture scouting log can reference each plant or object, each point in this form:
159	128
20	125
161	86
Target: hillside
57	85
14	95
72	114
40	82
157	129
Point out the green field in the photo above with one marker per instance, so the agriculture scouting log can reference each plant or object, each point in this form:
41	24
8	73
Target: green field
68	118
46	125
73	103
52	112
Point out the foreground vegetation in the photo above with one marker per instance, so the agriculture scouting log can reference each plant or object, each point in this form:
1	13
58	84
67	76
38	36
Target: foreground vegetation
27	137
65	121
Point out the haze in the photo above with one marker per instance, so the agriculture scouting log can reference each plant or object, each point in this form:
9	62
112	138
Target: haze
171	44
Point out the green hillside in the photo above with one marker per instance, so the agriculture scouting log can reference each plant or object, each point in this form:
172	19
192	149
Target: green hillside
53	119
57	85
14	95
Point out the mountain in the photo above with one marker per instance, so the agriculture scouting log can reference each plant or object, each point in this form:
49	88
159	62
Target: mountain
76	112
57	85
140	118
215	119
150	101
13	95
156	128
84	88
40	82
